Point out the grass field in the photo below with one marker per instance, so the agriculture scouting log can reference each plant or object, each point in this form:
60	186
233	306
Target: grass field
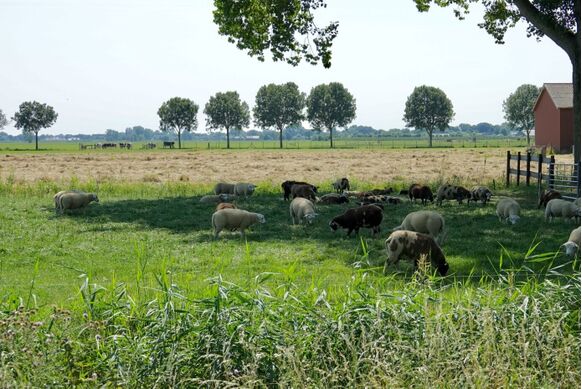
134	291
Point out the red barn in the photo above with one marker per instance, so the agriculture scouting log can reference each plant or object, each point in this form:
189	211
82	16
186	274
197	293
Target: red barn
554	121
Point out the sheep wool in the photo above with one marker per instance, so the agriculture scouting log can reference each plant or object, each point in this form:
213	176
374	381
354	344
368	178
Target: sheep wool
57	196
302	209
426	222
508	210
562	208
244	189
234	219
573	244
76	200
214	199
223	187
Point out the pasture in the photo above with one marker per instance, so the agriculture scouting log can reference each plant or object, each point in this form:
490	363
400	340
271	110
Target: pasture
134	290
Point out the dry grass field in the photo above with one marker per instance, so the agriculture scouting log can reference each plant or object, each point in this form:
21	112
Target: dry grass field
464	165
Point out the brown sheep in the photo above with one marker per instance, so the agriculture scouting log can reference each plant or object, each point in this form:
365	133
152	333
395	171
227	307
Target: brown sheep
225	206
452	192
413	245
547	195
305	191
423	193
366	216
286	186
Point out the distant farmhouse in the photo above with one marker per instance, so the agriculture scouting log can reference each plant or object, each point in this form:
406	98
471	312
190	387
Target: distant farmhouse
554	121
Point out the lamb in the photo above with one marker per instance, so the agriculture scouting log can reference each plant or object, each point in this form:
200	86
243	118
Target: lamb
286	186
334	198
508	210
423	193
214	199
563	208
366	216
452	192
341	184
573	244
223	187
305	191
427	222
244	189
481	193
413	245
547	195
302	209
225	206
234	219
75	200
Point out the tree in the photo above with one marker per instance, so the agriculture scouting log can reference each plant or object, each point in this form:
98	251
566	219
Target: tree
279	106
428	108
329	106
33	116
3	120
226	111
518	108
178	114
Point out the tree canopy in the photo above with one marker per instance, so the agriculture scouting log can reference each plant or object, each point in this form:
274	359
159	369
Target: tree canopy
329	106
33	116
428	108
225	110
178	114
518	108
279	106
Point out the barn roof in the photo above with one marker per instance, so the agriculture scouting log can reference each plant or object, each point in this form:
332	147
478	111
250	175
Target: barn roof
562	94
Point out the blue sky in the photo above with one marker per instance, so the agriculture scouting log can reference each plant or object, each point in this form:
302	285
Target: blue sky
111	63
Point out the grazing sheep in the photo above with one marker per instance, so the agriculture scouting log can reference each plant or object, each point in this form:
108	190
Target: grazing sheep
547	195
234	219
225	206
286	186
57	197
305	191
481	193
573	244
75	200
334	198
452	192
412	245
366	216
244	189
302	209
215	199
562	208
341	184
224	188
508	210
427	222
423	193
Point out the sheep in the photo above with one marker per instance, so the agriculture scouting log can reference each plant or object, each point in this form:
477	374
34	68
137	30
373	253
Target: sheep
573	244
225	206
334	198
423	193
223	187
547	195
385	191
215	199
305	191
452	192
234	219
341	184
508	210
366	216
57	197
427	222
481	193
563	208
244	189
413	245
302	209
75	200
286	186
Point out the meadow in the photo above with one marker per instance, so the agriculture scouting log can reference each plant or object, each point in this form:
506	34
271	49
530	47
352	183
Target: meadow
133	291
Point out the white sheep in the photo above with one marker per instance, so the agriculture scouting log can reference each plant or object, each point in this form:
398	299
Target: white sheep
573	244
562	208
234	219
302	209
508	210
223	187
75	200
244	189
215	199
426	222
57	197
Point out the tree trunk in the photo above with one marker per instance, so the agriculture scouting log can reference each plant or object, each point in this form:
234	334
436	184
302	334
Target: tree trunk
527	136
36	139
280	137
429	138
576	85
227	138
179	140
331	137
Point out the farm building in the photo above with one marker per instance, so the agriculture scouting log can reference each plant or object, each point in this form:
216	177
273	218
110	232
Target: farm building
553	113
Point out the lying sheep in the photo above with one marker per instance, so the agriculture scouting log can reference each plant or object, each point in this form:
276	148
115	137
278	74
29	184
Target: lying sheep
385	191
341	184
76	200
302	209
412	245
452	192
224	188
481	193
57	197
508	210
573	244
225	206
244	189
333	198
305	191
393	200
215	199
547	195
426	222
234	219
562	208
366	216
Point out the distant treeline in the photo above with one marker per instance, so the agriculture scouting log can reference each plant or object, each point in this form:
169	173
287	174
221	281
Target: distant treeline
139	133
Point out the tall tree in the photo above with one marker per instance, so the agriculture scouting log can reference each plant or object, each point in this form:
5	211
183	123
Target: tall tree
428	108
33	116
226	111
329	106
518	108
279	106
3	120
177	115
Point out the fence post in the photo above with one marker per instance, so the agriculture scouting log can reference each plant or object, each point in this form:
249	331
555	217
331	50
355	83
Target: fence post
518	166
578	179
527	166
551	172
508	167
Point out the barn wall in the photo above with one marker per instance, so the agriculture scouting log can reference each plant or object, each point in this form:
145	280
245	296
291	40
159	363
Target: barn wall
547	122
566	130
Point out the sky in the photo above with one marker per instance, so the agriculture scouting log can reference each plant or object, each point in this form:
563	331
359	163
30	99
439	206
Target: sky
110	64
